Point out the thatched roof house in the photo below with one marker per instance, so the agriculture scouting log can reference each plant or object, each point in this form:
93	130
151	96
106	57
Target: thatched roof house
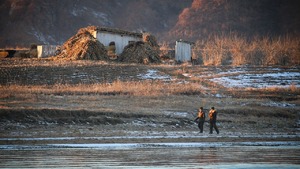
120	38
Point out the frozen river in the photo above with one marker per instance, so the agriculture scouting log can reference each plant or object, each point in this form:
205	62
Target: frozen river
224	155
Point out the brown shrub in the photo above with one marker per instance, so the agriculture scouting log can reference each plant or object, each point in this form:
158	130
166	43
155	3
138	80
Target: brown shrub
238	50
22	54
3	54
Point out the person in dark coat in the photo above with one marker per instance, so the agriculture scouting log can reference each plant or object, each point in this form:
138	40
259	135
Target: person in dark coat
212	120
201	119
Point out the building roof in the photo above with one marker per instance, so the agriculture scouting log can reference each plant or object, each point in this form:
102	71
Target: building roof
183	41
118	31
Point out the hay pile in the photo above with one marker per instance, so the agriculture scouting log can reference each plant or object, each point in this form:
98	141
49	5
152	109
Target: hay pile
139	52
83	46
146	51
151	40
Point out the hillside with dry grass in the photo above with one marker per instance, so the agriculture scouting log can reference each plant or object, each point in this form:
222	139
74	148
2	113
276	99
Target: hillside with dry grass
269	18
53	22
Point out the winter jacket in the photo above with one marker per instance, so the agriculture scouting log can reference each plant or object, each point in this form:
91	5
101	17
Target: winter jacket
212	115
201	116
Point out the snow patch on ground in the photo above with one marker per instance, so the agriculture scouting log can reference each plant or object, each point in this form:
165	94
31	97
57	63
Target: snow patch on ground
292	144
240	77
278	104
103	17
155	135
187	75
177	114
154	75
247	79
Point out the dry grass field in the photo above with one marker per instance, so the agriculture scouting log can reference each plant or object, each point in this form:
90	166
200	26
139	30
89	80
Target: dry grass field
41	98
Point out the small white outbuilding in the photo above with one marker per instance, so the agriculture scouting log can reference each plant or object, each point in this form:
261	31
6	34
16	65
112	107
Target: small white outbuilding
44	51
183	51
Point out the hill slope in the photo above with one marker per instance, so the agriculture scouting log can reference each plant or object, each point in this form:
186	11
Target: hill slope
52	22
250	18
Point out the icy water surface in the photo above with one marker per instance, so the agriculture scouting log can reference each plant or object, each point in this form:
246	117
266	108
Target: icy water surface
152	155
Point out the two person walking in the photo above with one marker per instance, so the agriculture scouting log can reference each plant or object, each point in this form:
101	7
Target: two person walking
212	120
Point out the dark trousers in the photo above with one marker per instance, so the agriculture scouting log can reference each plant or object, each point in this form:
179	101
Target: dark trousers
212	124
200	126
